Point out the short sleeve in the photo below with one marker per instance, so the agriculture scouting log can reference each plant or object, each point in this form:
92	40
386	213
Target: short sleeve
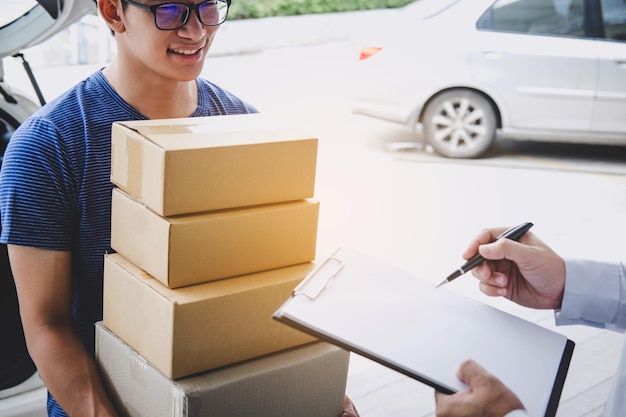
37	199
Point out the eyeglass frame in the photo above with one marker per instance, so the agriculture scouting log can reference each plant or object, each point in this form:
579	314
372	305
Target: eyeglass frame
190	7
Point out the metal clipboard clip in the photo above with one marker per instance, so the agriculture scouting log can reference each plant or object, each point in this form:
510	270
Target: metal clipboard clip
308	281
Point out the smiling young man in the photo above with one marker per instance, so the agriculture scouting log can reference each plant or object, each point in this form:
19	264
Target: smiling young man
55	190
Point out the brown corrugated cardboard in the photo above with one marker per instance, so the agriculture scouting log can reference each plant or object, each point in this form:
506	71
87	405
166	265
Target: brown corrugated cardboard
196	328
180	166
308	381
191	249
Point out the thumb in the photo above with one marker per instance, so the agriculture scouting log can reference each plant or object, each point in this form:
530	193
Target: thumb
471	372
502	249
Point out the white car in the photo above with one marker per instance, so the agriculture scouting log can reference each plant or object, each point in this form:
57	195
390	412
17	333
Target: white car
23	23
464	72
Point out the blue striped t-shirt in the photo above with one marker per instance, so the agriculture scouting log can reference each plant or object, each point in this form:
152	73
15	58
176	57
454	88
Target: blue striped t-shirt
55	189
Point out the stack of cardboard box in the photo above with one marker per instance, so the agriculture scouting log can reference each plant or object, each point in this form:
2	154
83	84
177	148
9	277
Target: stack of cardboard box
214	224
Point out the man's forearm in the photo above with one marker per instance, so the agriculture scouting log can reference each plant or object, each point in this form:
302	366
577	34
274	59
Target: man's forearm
69	372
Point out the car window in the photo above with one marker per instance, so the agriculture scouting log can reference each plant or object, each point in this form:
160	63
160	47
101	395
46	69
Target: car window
537	17
10	10
614	17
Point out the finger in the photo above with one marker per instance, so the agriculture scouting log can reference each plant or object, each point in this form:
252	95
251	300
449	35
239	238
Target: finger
493	274
507	248
439	397
471	372
485	236
493	291
484	271
349	410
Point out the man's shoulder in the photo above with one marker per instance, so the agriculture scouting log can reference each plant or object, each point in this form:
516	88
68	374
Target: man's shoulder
88	90
210	94
86	103
203	83
75	118
213	90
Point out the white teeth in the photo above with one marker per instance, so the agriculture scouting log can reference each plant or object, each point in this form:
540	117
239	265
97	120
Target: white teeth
185	52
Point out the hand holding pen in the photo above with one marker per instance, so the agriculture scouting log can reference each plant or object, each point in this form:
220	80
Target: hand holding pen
514	233
531	273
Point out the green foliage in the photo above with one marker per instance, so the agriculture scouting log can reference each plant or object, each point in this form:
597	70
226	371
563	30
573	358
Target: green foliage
251	9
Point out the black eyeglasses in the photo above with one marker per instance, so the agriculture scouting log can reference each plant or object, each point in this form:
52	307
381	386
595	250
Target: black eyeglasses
171	16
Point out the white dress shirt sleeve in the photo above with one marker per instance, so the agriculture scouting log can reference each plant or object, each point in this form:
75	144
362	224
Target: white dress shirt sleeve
594	295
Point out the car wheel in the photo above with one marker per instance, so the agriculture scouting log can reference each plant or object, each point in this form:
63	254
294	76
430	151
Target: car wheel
460	124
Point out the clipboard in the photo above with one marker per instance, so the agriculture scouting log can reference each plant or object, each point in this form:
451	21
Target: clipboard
392	317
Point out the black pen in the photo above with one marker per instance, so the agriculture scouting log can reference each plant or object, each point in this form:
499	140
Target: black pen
514	233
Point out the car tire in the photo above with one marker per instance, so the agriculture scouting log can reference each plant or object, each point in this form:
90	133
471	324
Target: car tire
460	123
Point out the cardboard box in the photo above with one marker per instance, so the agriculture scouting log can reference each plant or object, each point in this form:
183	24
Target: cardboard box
191	249
307	381
201	327
180	166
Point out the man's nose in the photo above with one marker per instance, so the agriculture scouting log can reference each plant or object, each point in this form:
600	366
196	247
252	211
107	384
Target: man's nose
193	29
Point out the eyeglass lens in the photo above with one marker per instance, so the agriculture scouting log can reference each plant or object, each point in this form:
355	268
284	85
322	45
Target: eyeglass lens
175	15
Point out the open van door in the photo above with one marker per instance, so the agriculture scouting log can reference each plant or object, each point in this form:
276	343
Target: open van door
23	24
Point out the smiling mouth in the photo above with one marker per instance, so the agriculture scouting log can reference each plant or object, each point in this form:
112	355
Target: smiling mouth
187	51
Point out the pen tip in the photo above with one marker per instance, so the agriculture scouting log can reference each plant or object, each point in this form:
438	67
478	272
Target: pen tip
450	277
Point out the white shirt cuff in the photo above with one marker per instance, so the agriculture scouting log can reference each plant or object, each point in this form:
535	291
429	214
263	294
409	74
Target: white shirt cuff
591	293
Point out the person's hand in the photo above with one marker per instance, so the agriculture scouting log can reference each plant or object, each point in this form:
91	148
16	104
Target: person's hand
487	396
349	410
527	272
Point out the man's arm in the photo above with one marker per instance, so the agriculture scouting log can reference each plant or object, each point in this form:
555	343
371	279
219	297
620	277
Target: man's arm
595	294
527	272
44	287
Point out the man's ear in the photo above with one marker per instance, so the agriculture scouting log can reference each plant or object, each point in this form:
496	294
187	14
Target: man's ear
111	11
